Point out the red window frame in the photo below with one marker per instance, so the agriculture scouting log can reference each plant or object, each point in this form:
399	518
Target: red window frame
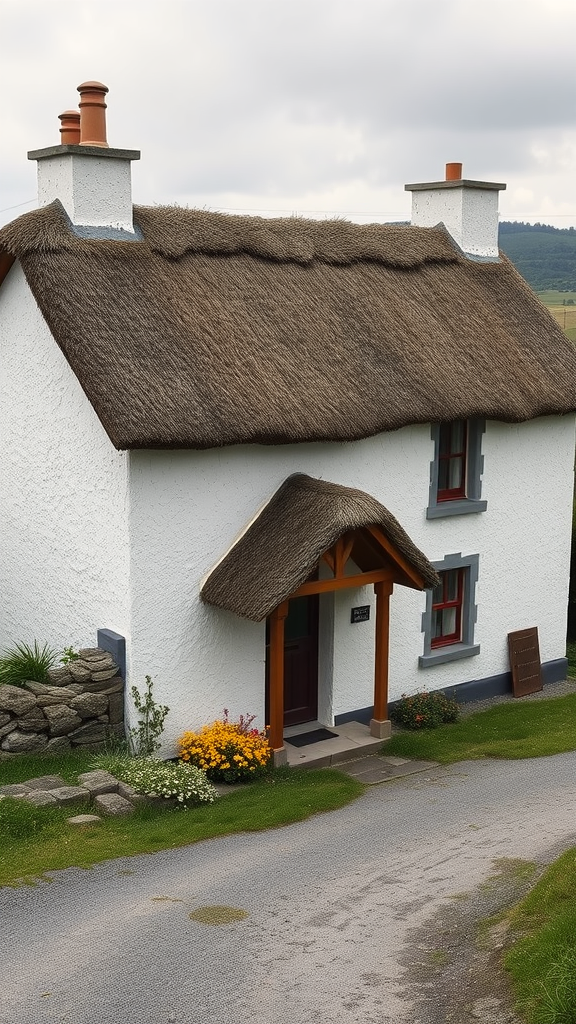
442	602
452	450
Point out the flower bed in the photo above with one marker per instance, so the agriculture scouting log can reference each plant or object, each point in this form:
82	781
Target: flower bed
227	751
148	775
424	710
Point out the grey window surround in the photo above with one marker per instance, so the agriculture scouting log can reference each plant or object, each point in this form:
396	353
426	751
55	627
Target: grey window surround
474	469
466	648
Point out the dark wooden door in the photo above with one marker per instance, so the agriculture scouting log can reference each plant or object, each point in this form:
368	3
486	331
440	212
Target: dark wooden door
300	662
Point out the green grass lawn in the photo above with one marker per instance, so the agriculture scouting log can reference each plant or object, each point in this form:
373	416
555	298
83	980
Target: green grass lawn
69	765
543	961
38	840
511	730
564	315
552	298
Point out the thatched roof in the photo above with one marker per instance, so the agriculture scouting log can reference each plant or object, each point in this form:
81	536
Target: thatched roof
219	330
282	547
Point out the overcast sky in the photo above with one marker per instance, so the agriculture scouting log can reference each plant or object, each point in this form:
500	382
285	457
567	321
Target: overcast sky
318	108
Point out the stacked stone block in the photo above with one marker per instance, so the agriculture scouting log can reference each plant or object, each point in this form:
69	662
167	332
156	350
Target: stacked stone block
110	796
80	705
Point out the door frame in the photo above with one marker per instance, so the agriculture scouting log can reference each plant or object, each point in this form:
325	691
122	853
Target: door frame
313	657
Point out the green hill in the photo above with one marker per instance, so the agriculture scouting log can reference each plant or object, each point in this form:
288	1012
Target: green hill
544	255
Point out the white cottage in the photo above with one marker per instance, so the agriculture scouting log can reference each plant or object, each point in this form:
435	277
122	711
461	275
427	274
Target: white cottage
299	467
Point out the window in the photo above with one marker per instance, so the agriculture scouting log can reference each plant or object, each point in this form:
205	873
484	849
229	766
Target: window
456	469
447	600
450	617
452	461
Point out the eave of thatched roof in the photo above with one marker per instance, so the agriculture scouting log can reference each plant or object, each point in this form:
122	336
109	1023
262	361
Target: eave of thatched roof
218	330
282	547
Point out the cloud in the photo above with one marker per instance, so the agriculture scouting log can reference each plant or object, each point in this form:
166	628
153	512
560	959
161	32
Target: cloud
281	102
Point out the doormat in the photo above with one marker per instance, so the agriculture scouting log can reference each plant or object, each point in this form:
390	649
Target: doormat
310	737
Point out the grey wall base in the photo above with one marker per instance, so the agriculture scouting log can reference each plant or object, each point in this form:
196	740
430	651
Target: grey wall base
363	715
494	686
476	689
115	644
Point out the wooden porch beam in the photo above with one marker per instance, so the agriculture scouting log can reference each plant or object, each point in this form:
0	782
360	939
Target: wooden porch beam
397	558
360	579
339	558
379	725
342	549
328	557
348	541
277	619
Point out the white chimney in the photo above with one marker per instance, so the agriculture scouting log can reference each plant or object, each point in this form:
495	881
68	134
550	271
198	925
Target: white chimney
91	180
468	209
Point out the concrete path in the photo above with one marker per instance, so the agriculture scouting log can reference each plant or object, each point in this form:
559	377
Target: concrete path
376	768
364	915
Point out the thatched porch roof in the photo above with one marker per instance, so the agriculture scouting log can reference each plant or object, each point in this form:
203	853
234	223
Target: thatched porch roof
282	547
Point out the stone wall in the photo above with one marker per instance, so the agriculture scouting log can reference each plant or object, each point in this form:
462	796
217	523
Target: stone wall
79	706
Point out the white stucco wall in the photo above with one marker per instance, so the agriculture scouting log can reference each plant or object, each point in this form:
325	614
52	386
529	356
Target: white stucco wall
187	508
63	492
523	540
353	676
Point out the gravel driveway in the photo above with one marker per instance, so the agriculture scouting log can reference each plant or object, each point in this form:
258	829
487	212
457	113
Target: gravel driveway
366	914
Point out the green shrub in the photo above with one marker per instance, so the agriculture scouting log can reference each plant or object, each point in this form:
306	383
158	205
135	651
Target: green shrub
21	662
424	710
144	739
68	655
152	777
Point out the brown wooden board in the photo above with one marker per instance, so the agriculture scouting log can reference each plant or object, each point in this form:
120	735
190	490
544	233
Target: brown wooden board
524	653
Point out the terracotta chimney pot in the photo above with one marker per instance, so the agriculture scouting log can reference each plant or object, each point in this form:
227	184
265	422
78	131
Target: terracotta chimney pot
93	114
453	172
70	128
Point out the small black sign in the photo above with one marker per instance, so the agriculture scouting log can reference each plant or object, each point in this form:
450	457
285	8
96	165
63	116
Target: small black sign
361	614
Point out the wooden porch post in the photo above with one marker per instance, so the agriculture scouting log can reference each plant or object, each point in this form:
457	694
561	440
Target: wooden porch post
379	725
276	738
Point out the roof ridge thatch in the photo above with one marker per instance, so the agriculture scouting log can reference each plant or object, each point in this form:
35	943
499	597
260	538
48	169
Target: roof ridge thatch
281	548
217	330
174	232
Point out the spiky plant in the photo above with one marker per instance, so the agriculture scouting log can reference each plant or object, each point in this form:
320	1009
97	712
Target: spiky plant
22	662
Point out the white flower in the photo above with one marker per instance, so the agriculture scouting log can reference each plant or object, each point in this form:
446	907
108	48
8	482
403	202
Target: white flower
161	778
